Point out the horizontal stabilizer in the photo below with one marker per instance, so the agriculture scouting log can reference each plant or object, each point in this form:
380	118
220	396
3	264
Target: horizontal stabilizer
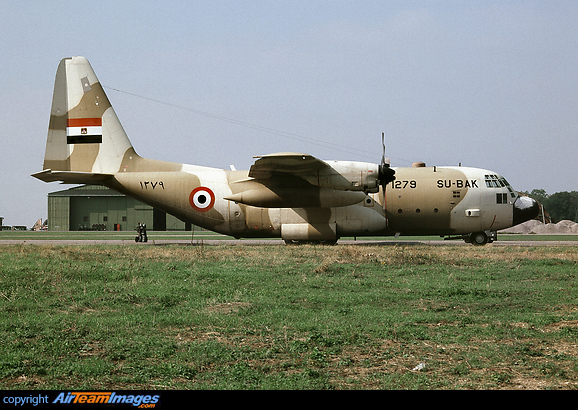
71	177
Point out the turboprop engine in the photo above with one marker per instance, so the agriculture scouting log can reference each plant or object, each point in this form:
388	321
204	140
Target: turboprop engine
347	176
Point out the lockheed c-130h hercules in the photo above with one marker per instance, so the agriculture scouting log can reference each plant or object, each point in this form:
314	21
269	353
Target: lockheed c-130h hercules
294	196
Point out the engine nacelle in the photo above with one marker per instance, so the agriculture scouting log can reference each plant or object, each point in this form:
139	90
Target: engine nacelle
296	197
347	176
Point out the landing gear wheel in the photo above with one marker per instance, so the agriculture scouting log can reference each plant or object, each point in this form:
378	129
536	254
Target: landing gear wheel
479	238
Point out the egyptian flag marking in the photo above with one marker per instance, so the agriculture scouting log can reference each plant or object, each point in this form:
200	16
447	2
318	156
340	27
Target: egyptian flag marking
84	131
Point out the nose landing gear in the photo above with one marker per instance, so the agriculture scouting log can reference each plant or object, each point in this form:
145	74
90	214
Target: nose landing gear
481	238
477	238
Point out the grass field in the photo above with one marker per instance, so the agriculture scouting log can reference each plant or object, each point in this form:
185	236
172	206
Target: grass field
288	317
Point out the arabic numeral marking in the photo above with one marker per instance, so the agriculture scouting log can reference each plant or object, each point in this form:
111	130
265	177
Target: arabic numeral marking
152	184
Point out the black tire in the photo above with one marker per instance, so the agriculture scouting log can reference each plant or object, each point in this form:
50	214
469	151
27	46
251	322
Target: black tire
479	238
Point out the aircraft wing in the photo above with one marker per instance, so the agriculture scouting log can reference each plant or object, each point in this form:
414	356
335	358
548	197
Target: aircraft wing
293	163
295	180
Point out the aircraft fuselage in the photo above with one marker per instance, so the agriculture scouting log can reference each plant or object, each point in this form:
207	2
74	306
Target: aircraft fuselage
421	201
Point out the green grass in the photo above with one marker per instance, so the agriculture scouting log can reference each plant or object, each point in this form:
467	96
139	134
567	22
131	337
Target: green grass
288	317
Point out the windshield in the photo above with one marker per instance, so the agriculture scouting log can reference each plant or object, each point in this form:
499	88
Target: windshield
497	181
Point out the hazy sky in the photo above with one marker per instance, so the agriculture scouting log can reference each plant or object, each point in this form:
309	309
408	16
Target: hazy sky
489	84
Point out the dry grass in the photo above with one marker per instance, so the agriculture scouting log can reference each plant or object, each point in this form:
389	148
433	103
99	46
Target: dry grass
290	317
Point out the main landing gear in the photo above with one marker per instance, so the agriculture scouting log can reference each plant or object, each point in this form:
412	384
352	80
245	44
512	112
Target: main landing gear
312	242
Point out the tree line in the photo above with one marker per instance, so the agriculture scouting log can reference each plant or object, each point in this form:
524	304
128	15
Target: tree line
560	206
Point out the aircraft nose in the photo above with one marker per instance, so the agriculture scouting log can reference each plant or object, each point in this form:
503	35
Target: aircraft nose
525	208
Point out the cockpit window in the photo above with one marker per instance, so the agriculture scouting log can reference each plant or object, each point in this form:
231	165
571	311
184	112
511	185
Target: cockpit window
496	181
507	185
492	181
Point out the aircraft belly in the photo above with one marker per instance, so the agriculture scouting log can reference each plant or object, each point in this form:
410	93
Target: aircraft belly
360	220
258	223
313	223
475	218
308	223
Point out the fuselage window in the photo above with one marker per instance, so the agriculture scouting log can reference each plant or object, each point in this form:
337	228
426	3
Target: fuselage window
502	198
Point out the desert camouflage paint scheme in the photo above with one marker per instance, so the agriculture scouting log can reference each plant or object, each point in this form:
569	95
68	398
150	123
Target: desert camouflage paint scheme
293	196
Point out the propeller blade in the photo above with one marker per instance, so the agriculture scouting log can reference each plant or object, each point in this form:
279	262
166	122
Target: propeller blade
386	174
382	148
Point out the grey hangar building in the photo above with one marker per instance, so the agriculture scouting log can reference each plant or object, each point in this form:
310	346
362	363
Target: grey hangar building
97	208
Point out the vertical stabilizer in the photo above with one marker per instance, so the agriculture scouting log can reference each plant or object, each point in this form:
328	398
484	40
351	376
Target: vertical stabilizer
84	134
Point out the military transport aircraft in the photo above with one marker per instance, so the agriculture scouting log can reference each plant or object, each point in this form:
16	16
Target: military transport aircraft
294	196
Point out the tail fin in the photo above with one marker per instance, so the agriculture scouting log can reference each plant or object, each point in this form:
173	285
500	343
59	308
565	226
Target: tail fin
86	142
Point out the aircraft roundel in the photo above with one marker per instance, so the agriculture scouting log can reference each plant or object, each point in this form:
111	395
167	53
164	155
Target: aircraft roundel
202	199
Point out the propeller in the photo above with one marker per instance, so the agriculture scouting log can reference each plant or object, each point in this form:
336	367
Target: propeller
386	174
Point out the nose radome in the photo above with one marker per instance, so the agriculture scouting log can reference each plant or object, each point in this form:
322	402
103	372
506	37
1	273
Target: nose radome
525	208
